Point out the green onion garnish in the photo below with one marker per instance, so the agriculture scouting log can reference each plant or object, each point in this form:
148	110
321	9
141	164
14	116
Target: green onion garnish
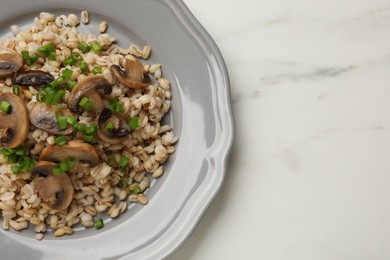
61	140
66	74
40	97
134	123
111	160
72	83
64	166
71	161
29	60
137	189
57	170
20	150
48	50
7	151
5	106
110	126
96	70
73	59
123	163
115	106
83	67
79	127
91	130
88	138
16	90
62	123
84	47
86	104
16	169
99	223
96	48
17	155
71	120
123	184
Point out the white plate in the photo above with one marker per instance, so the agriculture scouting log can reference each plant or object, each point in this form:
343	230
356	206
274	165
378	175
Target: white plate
201	118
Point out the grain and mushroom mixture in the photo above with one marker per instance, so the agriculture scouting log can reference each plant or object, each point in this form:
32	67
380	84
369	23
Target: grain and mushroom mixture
80	126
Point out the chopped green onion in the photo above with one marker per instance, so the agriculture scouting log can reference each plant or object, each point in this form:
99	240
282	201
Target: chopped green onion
134	123
110	126
40	97
71	161
84	47
96	70
88	138
72	83
64	166
123	184
5	106
115	106
111	160
49	100
79	127
66	74
7	151
34	58
96	48
25	55
99	223
27	59
25	165
73	59
123	163
76	56
16	90
51	56
59	96
137	189
61	140
19	150
62	123
54	84
83	67
16	169
91	130
13	158
48	50
86	104
57	170
71	120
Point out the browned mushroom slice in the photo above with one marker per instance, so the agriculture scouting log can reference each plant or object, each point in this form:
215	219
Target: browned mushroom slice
90	88
10	63
57	190
14	125
44	117
116	135
33	78
133	75
84	153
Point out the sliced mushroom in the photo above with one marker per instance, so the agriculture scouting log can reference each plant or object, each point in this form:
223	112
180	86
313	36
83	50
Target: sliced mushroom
14	126
117	135
57	190
33	78
44	117
84	153
89	87
10	63
133	75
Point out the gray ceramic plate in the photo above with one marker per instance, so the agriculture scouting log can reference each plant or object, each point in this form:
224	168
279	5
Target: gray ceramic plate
201	118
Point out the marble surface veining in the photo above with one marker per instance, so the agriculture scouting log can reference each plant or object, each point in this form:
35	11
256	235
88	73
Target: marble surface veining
309	174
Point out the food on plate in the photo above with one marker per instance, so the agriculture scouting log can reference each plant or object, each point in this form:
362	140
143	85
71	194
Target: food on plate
81	126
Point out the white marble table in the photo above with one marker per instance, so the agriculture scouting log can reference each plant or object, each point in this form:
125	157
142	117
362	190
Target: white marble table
309	176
